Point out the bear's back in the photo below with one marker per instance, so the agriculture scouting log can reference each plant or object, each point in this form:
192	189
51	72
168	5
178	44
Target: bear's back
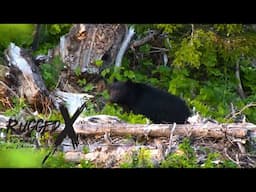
158	105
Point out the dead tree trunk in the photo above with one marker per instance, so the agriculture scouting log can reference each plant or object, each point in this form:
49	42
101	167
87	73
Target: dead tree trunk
36	39
5	90
87	43
25	78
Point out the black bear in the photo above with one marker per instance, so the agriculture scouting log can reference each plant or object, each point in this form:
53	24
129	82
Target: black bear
157	105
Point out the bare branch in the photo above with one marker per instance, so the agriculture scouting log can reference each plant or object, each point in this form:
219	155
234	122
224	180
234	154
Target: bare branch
239	85
7	87
239	112
36	39
124	46
226	154
192	30
145	39
170	140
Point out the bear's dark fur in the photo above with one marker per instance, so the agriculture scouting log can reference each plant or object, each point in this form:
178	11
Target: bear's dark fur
157	105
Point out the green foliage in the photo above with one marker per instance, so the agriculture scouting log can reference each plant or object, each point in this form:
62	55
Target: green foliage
20	34
229	164
89	87
50	36
15	153
77	71
215	96
105	94
142	29
229	29
51	72
114	73
44	138
20	158
197	49
202	68
188	53
145	48
249	78
86	149
57	30
138	159
209	162
99	63
90	109
112	109
182	85
18	105
55	116
105	72
86	164
81	82
13	142
201	65
184	158
58	161
168	28
214	160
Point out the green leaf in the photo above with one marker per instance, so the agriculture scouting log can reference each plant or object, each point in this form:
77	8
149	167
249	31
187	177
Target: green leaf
129	74
89	87
98	63
77	71
105	72
82	82
145	48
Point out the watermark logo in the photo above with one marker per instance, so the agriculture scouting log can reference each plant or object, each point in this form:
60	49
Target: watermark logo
68	129
40	126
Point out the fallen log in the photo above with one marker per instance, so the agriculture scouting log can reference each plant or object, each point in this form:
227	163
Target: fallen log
106	149
238	130
101	124
109	157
